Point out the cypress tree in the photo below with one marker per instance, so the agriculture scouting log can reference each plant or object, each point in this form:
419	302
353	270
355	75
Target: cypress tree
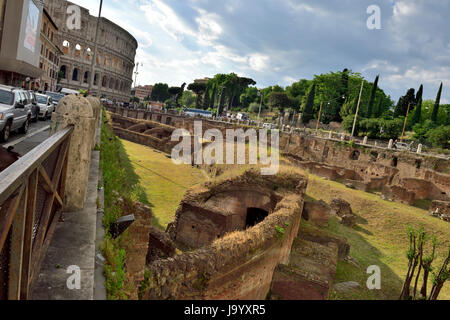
436	105
377	111
343	91
372	97
418	113
308	108
419	94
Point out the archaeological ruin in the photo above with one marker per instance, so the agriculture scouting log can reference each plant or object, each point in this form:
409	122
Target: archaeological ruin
241	237
404	177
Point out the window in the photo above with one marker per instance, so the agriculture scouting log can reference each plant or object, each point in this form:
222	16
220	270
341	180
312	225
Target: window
6	97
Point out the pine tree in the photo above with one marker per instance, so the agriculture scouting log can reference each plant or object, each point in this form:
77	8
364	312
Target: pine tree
308	108
436	105
372	97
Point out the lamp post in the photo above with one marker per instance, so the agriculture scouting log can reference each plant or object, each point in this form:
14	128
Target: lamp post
91	81
136	73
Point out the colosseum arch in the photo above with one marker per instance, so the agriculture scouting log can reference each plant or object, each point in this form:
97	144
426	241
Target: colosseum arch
66	47
75	74
96	77
105	82
111	83
77	52
89	54
86	77
63	71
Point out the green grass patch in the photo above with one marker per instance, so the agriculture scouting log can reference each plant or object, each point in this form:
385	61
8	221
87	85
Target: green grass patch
119	179
163	182
379	238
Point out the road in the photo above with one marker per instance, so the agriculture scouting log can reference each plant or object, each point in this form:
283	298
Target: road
24	143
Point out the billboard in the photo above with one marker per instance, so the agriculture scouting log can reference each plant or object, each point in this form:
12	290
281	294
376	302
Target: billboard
31	26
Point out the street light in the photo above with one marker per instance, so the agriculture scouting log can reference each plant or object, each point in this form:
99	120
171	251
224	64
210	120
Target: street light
91	82
137	72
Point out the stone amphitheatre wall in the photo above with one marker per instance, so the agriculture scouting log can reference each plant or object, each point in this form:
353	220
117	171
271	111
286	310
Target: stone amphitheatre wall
115	59
241	264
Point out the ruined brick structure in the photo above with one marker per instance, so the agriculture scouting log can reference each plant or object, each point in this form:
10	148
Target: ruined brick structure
115	58
401	176
237	265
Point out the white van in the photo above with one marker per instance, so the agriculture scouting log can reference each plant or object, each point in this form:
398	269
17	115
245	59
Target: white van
66	92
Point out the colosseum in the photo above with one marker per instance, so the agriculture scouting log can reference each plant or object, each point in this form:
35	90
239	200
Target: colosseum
115	59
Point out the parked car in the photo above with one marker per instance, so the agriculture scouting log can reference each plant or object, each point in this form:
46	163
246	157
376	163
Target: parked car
35	107
55	97
46	106
15	112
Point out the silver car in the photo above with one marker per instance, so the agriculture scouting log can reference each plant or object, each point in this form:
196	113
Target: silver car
46	106
15	112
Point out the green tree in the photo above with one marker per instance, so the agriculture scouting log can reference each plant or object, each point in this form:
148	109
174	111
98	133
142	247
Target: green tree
436	105
160	92
188	100
344	88
439	137
417	113
407	100
199	88
279	100
308	106
372	97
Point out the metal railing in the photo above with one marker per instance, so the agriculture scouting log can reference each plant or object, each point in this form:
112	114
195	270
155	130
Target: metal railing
31	201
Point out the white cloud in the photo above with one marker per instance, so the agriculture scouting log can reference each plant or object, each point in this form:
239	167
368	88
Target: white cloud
157	12
258	62
404	8
208	27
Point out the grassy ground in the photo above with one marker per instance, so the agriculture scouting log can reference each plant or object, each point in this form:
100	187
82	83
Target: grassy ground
378	239
119	178
164	182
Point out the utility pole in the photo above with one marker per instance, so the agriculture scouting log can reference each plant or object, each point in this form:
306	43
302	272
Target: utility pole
357	108
406	119
91	81
260	104
318	119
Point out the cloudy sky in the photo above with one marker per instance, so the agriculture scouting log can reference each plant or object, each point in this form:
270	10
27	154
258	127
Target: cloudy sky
281	41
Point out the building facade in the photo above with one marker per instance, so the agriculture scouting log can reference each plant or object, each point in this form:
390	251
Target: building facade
143	92
115	59
20	22
50	54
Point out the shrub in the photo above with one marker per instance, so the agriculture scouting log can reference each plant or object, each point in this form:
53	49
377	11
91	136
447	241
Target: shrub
439	137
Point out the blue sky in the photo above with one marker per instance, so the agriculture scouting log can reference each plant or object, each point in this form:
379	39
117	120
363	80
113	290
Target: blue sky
281	41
